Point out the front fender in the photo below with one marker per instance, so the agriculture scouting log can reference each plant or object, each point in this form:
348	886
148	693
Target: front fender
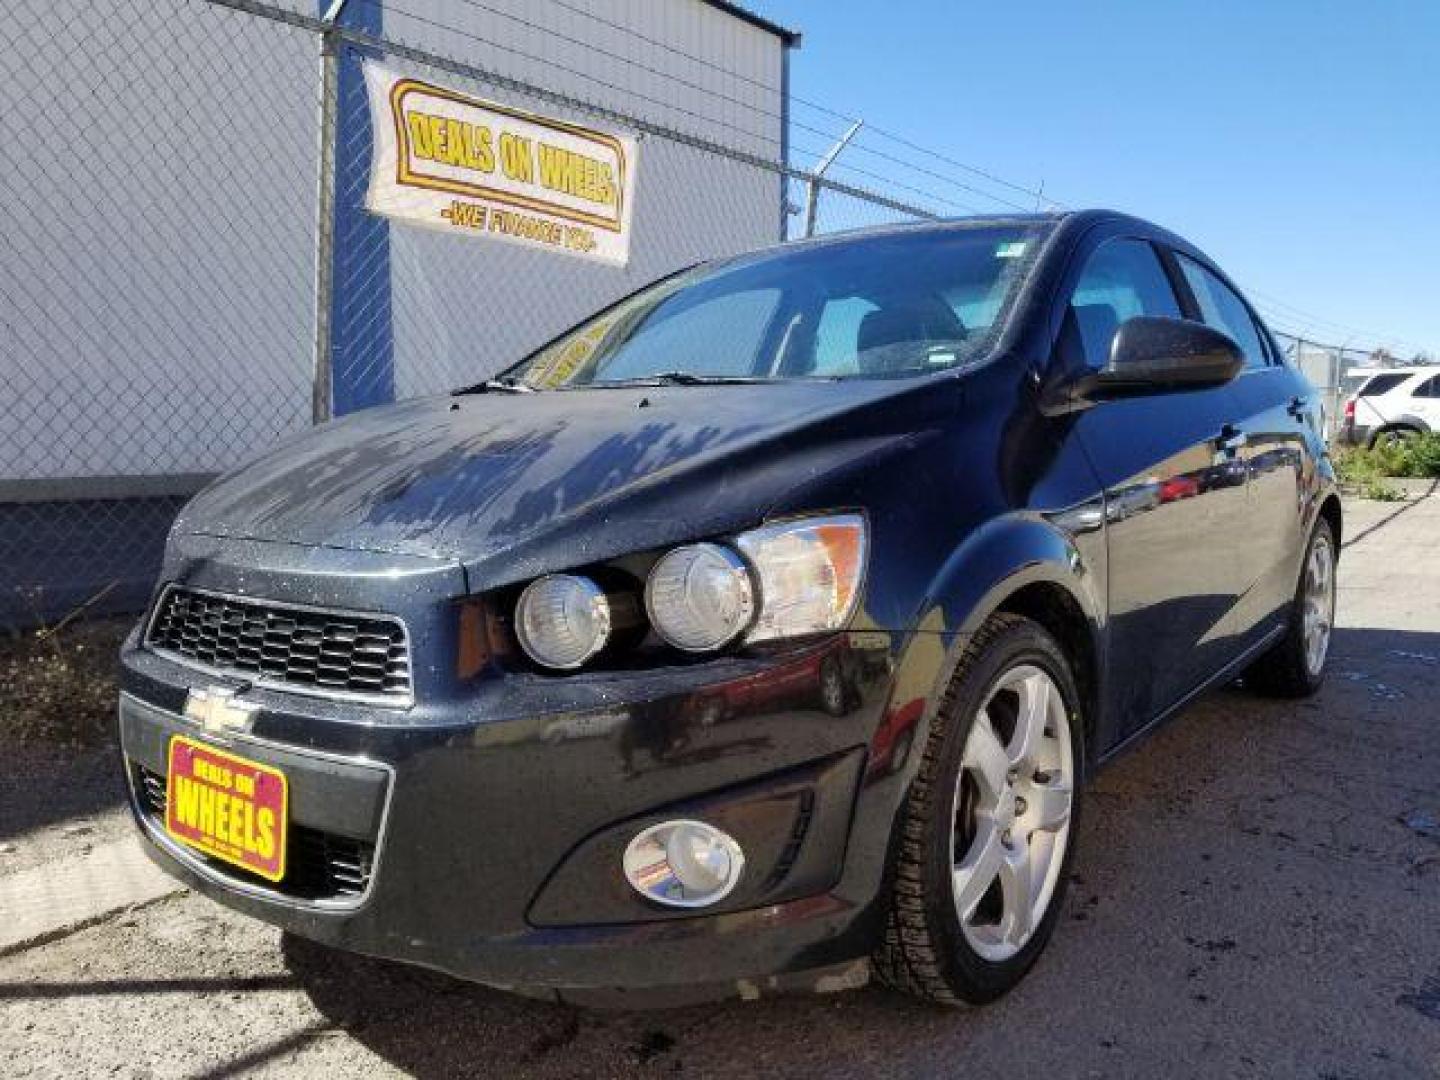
992	565
1006	555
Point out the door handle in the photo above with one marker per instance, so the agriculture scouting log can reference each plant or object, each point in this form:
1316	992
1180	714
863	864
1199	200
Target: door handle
1231	440
1297	407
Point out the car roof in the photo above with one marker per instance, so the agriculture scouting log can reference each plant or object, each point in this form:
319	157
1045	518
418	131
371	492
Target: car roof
1409	369
1075	222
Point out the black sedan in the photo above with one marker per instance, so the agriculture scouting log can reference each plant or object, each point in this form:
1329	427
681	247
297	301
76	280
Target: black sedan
769	622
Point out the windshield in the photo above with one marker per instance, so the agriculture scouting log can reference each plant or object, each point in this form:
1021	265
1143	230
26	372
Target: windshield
901	304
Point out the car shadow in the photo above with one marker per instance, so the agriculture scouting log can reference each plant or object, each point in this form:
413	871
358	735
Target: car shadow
430	1025
43	786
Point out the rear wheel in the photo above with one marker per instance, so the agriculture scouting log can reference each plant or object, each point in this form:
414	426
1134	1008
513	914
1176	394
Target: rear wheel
985	837
1295	666
1391	435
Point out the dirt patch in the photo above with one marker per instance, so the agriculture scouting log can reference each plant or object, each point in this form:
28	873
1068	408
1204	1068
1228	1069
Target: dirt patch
58	687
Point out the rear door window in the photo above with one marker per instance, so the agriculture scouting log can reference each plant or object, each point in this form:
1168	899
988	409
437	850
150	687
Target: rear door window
1122	279
1381	384
1430	388
1223	309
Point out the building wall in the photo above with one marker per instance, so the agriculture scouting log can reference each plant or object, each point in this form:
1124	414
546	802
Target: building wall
466	308
157	210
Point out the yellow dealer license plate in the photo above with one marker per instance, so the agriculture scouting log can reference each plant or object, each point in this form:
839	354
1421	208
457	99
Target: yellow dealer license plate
227	806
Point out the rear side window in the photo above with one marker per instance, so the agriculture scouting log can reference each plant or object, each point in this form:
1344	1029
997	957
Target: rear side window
1221	308
1381	384
1122	279
1430	388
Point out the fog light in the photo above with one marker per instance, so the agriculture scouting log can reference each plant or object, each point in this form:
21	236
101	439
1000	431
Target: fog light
683	863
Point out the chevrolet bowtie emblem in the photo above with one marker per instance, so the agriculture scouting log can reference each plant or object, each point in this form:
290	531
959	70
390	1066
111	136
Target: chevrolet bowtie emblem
216	709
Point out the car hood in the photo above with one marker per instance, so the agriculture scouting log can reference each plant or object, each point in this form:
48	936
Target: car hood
515	484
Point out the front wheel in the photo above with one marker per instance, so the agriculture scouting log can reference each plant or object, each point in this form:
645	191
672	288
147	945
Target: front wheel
1295	665
986	836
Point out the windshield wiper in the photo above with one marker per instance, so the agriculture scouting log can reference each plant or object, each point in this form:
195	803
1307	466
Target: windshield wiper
504	384
680	378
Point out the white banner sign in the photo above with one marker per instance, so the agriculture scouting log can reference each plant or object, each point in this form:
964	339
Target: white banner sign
449	161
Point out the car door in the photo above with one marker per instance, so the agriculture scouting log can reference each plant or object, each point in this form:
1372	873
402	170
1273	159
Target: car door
1174	487
1278	413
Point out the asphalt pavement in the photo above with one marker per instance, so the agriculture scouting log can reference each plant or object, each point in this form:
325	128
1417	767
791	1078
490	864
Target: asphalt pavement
1257	894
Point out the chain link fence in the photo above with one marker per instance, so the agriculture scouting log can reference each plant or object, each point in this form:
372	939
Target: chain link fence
156	293
1328	367
191	276
188	248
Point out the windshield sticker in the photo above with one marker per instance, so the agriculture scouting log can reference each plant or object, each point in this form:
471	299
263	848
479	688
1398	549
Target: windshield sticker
1011	249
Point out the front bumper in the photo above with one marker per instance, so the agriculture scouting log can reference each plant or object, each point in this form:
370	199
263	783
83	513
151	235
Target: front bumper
481	838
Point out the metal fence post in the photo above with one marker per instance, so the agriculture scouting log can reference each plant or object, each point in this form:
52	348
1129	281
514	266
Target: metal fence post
325	217
812	193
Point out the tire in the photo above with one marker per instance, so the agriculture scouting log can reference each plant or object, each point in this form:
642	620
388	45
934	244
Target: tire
951	821
1290	668
1389	435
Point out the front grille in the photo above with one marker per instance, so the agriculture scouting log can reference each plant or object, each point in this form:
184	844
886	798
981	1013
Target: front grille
322	651
318	865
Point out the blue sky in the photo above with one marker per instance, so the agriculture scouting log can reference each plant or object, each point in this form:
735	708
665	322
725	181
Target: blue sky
1297	143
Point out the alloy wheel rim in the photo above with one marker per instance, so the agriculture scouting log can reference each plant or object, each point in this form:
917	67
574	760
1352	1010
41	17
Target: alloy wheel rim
1013	805
1318	602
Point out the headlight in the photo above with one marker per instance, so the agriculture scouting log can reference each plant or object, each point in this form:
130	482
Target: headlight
809	573
562	620
699	597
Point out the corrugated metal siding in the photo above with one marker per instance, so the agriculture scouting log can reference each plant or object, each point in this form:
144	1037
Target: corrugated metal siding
156	288
689	204
556	47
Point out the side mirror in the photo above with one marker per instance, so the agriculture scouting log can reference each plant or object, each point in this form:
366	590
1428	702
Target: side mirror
1149	354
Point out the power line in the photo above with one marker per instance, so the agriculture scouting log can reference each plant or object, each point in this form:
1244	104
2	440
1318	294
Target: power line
797	99
631	62
1283	328
892	182
1311	318
1039	195
393	9
862	148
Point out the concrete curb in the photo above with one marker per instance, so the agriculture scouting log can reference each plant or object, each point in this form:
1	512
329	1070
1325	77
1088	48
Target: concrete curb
51	901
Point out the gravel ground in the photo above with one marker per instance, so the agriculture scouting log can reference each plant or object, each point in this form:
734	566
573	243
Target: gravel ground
57	685
60	792
1257	894
57	803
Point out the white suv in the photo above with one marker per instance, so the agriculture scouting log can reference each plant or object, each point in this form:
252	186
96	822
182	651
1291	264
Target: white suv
1393	403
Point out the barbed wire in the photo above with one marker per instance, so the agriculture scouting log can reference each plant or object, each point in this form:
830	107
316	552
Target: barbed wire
780	117
797	99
